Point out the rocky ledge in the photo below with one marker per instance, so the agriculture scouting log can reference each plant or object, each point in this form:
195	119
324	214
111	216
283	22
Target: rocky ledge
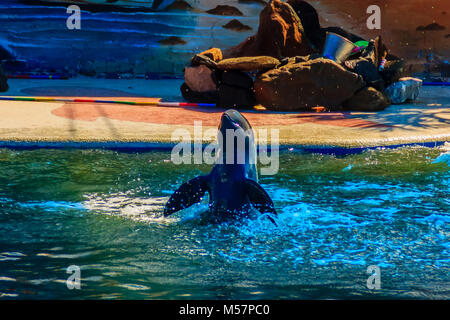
285	66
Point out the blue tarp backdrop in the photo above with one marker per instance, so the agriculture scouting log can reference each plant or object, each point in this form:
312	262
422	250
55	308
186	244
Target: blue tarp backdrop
146	36
122	42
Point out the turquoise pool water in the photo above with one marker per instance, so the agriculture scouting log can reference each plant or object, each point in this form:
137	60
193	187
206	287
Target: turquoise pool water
101	210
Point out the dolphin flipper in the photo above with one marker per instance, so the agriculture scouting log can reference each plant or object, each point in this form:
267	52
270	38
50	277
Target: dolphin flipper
259	197
186	195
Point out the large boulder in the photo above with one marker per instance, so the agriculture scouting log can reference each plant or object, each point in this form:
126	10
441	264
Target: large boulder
235	97
214	54
297	59
198	97
304	85
310	22
235	78
199	79
261	63
367	99
367	70
3	81
280	34
200	59
235	90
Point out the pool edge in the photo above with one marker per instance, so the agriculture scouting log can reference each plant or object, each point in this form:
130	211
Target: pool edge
165	146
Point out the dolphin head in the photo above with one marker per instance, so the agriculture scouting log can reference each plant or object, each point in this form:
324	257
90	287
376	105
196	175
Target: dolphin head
232	119
237	143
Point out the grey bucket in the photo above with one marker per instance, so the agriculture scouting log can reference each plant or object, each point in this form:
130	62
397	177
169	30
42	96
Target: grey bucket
337	48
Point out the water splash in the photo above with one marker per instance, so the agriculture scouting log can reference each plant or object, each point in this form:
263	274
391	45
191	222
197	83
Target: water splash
391	211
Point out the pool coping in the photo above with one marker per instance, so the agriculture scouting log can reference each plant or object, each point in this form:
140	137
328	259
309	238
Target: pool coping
164	146
87	125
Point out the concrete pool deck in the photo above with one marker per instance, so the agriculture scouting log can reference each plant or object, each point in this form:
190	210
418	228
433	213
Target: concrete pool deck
23	123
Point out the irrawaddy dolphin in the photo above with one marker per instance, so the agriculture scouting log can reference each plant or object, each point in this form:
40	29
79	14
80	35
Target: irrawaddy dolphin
232	184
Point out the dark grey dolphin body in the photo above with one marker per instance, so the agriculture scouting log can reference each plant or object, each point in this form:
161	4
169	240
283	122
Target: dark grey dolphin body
233	182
